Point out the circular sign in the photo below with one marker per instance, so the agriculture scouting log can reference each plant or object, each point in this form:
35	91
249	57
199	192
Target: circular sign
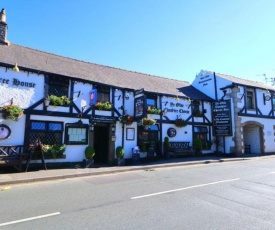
5	131
171	132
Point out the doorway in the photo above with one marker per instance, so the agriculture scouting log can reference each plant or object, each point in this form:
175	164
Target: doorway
101	144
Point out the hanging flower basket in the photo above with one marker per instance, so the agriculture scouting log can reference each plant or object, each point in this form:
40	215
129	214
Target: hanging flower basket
103	106
146	122
180	123
12	112
197	113
126	119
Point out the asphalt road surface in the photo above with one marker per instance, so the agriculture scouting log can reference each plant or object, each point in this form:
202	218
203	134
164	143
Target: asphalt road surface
235	195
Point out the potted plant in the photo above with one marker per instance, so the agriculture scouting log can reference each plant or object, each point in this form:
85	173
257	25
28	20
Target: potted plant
103	105
166	148
59	101
126	119
180	122
120	155
89	154
12	112
53	151
153	110
198	146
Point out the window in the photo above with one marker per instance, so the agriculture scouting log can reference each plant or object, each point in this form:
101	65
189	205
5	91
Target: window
103	93
196	105
147	136
201	132
151	101
273	102
76	134
250	99
58	86
48	132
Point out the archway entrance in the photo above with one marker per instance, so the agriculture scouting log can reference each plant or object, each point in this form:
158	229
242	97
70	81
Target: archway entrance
253	138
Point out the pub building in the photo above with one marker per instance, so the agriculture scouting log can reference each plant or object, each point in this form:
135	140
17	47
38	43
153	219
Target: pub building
79	104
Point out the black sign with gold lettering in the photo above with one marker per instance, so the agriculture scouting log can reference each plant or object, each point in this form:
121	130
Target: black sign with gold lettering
222	124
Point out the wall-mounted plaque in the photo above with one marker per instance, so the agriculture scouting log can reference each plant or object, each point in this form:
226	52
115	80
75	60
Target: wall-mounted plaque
5	131
171	132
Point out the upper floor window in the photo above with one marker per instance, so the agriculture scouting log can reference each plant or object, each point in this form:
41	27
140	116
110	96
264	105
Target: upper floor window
103	93
250	99
151	101
58	86
273	102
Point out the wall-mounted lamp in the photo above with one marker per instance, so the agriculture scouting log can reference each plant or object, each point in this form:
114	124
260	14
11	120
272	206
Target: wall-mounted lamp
127	96
92	127
47	101
113	128
15	68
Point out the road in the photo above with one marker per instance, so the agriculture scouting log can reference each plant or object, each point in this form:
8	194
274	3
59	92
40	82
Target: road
236	195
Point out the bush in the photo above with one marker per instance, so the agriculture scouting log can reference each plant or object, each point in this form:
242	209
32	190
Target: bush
119	152
166	145
89	152
198	144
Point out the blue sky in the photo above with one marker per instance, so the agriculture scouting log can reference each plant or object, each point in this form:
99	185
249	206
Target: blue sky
168	38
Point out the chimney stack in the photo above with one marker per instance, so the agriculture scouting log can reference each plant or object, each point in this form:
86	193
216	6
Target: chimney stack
3	28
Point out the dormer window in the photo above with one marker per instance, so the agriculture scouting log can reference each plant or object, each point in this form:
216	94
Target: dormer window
58	86
250	99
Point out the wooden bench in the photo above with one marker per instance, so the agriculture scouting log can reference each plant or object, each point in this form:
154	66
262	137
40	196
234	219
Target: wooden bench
181	149
12	156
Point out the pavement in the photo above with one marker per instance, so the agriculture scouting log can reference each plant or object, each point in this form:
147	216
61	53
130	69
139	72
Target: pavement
7	179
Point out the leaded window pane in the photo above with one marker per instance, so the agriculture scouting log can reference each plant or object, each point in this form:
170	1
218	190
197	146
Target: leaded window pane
38	125
55	126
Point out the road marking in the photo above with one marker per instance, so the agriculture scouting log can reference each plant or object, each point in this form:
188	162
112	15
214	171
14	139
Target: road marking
180	189
31	218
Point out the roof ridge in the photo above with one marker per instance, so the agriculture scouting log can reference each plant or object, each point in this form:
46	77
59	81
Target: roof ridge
91	63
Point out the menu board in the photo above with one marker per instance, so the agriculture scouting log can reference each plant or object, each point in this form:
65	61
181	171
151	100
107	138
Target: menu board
222	123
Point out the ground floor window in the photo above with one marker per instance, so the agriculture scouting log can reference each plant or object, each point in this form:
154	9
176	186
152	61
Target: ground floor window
147	137
202	133
47	132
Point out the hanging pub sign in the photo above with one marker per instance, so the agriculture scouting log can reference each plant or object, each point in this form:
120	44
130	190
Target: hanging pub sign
139	93
222	120
93	97
139	106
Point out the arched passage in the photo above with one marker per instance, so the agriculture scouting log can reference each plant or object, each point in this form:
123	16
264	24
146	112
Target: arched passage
253	137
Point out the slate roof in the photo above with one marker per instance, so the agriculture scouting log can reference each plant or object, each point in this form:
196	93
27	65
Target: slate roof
50	63
246	82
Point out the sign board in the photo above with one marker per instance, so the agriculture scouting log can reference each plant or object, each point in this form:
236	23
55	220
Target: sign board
103	119
171	132
93	97
139	107
139	92
222	120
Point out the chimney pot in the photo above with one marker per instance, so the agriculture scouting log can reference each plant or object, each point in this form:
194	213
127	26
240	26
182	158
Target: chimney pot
3	16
